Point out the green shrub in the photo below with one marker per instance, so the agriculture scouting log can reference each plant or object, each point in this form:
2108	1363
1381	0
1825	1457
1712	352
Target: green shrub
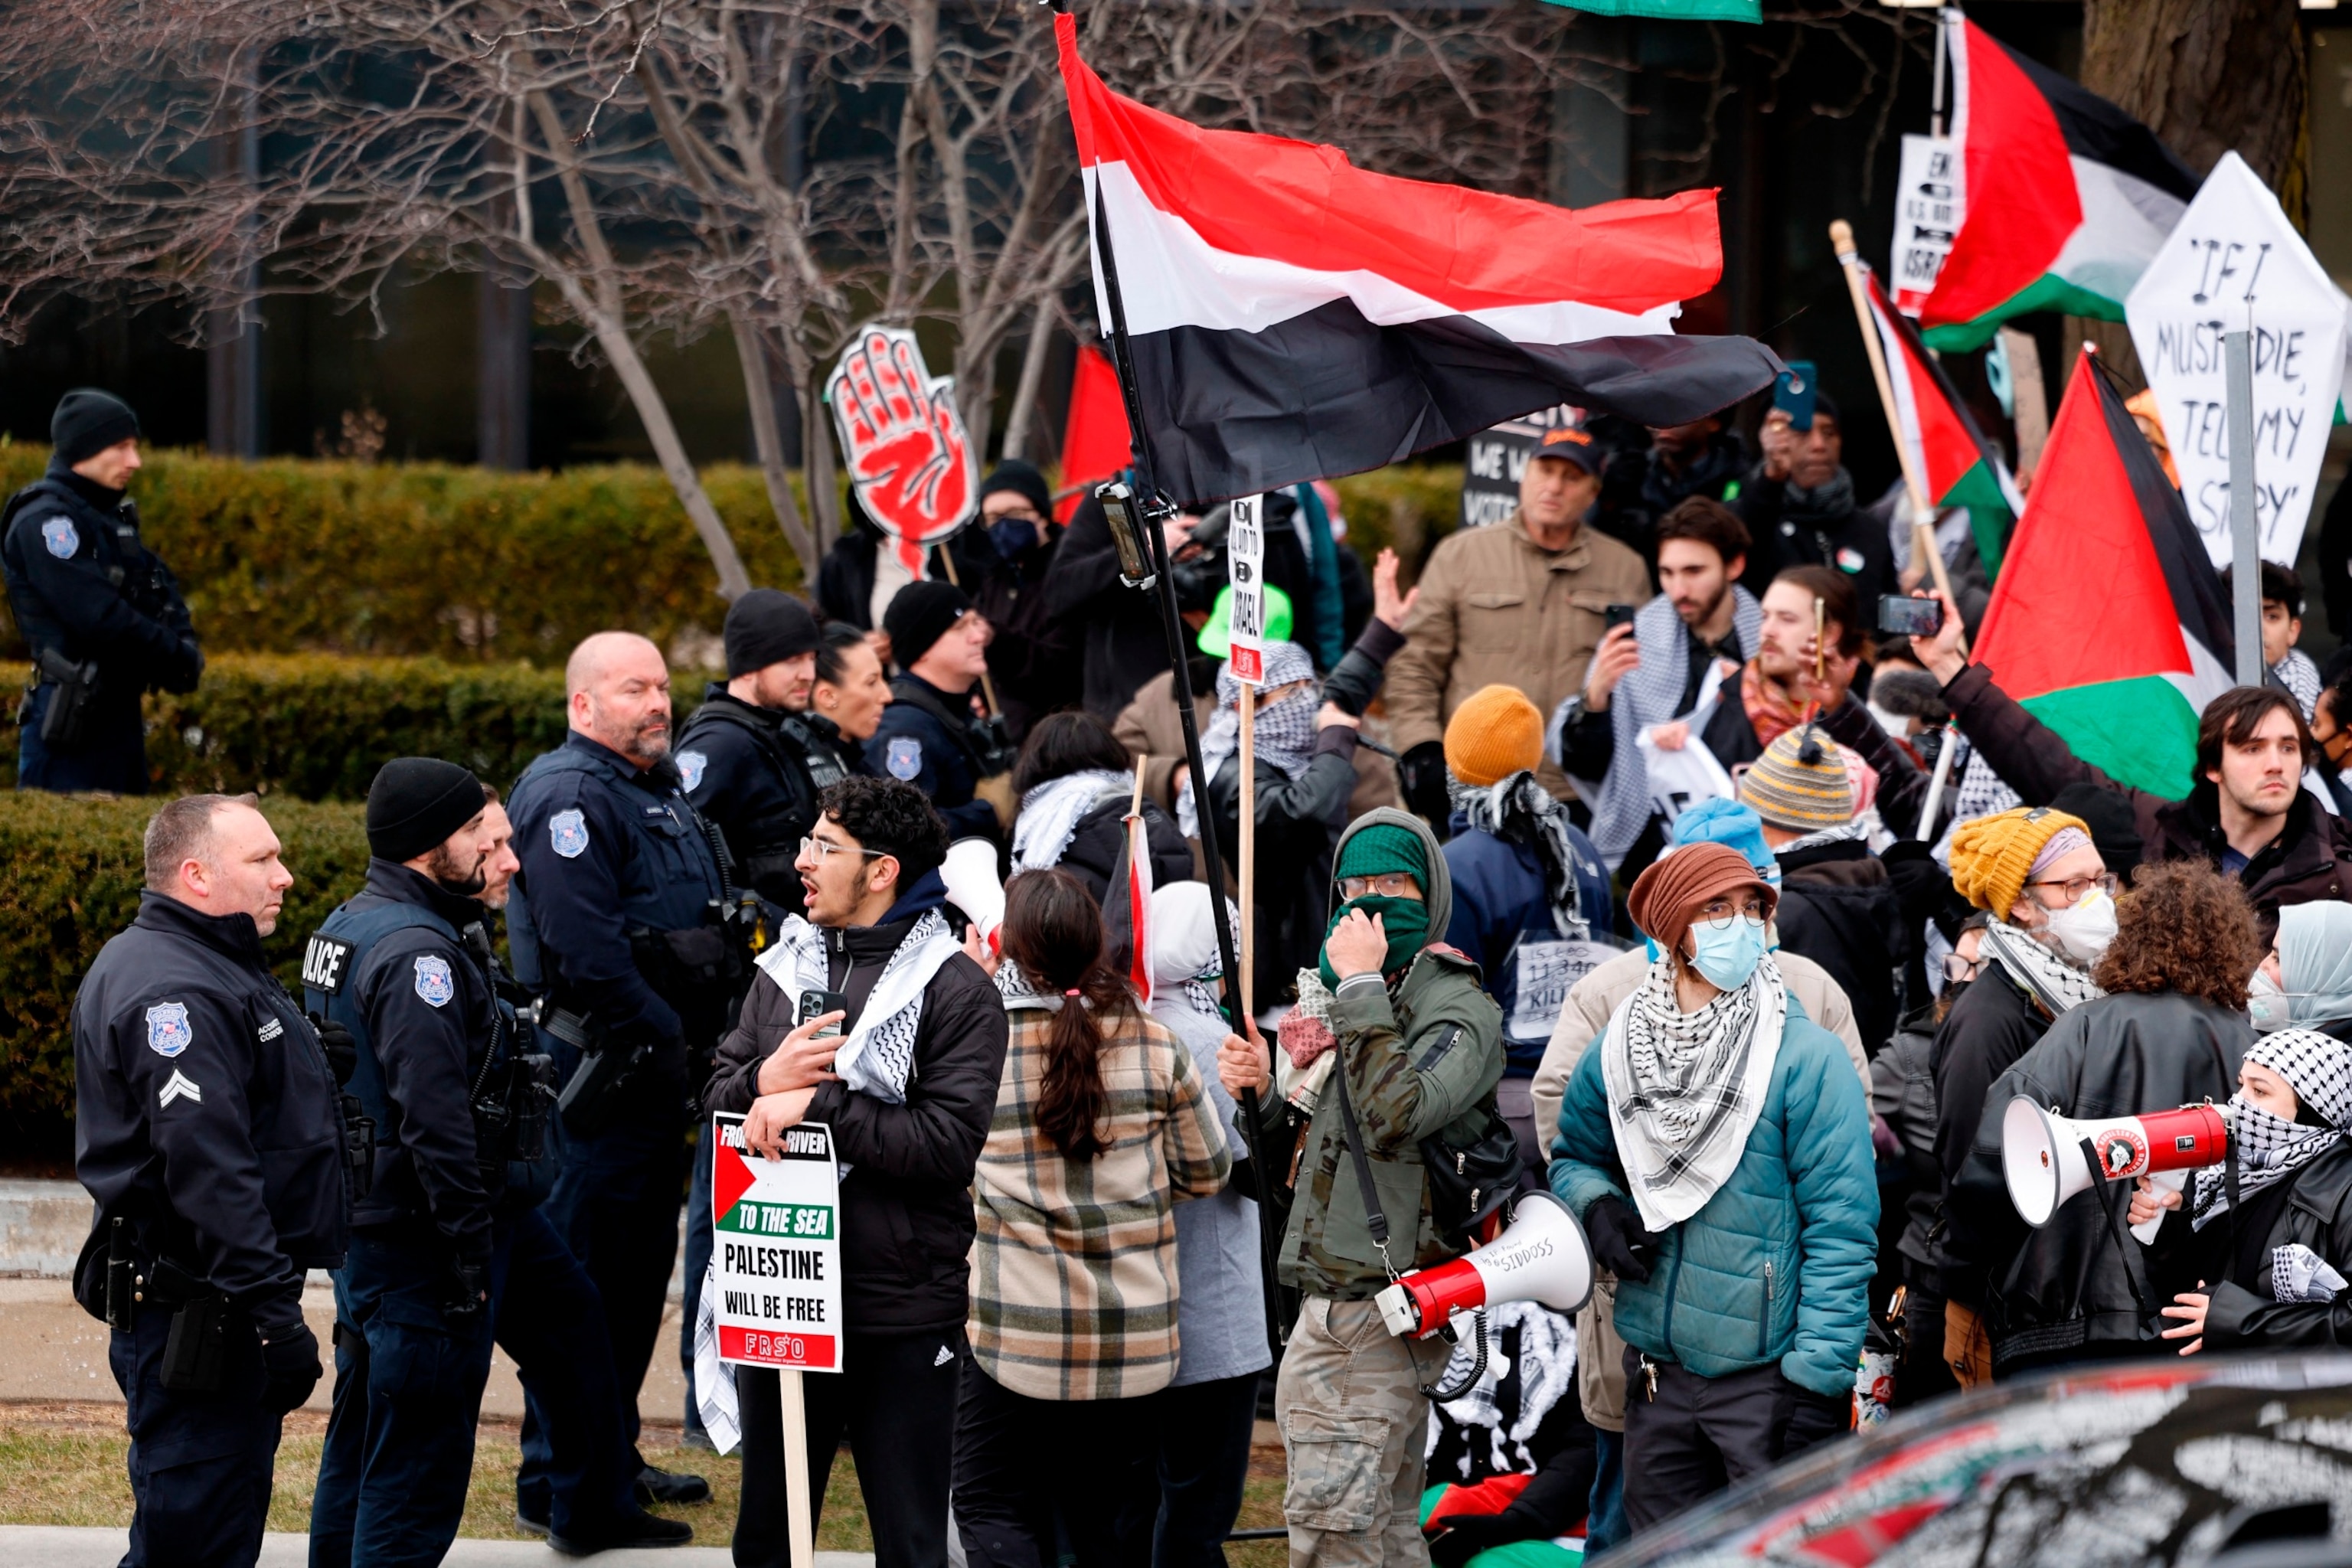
72	873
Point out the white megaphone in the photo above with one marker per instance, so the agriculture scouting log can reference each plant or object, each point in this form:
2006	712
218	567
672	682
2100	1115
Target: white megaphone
1543	1257
2048	1158
969	872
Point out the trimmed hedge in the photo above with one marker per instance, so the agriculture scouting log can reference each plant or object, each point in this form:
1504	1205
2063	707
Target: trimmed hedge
317	726
72	870
290	555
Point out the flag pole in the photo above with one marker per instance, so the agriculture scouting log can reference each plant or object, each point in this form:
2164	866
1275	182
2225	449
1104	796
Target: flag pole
987	687
1172	623
1245	873
1923	533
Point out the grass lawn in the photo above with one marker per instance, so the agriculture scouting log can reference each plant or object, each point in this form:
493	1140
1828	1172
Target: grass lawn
61	1462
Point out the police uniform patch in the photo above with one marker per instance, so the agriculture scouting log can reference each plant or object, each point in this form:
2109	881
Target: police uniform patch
689	769
60	535
904	758
568	832
434	985
180	1086
168	1033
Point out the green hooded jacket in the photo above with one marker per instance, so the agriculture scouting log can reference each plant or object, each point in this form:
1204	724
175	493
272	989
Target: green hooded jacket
1422	1055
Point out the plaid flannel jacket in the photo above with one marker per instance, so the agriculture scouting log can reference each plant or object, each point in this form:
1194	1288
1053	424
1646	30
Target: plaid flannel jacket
1074	1280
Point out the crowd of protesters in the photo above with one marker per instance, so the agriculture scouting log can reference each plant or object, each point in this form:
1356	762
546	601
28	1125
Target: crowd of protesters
1667	915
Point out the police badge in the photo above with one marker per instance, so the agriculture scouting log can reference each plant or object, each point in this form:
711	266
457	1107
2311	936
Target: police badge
905	758
568	832
58	534
434	985
689	769
168	1033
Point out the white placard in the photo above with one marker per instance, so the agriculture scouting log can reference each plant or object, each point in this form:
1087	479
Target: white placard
2235	262
776	1248
1245	567
1927	209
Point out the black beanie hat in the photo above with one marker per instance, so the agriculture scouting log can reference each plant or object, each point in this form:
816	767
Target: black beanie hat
1022	478
88	421
417	803
919	615
767	625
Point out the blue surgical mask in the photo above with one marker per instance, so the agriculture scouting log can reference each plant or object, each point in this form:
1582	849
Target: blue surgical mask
1727	957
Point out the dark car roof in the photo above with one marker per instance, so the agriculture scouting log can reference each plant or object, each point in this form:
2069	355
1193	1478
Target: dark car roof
2155	1461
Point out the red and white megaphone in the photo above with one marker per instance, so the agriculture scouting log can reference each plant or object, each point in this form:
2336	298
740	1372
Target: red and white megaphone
1543	1256
969	872
2043	1156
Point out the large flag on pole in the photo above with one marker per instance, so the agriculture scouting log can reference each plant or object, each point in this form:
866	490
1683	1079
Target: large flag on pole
1961	467
1292	317
2065	198
2108	623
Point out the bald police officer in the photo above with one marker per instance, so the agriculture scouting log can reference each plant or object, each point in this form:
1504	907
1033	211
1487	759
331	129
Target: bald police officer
103	616
207	1129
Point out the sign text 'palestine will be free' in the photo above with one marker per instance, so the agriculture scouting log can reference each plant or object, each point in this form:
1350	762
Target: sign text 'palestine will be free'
776	1249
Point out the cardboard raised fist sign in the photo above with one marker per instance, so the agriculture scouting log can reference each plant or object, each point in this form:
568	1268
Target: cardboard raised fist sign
905	447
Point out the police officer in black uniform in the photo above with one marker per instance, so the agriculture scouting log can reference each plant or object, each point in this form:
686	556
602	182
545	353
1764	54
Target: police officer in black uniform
104	617
929	736
208	1129
617	919
749	758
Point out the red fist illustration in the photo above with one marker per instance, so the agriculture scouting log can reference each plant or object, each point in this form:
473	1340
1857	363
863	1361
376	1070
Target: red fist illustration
908	454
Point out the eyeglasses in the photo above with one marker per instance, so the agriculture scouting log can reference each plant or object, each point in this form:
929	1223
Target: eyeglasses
1718	913
819	848
2074	887
1388	885
1958	971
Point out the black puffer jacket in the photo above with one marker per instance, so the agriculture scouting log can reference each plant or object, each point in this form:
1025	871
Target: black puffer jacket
1101	836
1838	907
2069	1291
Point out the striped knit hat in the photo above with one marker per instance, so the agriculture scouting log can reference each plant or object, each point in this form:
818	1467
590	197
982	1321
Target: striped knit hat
1789	792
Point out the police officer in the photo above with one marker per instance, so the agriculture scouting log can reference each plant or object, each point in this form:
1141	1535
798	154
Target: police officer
749	758
412	1336
104	618
929	736
613	921
208	1131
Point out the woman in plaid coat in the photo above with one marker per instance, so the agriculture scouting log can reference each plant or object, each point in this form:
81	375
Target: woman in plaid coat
1103	1126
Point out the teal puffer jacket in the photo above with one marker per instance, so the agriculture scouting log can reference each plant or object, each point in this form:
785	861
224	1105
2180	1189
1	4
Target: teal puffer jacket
1776	1266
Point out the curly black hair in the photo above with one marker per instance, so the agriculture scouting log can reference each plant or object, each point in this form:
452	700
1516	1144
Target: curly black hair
893	818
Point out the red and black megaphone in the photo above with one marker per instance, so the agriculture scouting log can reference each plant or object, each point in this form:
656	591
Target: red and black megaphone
2044	1157
1543	1256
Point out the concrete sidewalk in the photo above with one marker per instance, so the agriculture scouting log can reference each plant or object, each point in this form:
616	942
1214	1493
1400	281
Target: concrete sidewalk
57	1546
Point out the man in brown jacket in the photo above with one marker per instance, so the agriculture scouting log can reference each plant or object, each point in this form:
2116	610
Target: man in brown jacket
1523	603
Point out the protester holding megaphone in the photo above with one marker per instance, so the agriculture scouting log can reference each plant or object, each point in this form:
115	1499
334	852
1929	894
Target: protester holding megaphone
1716	1143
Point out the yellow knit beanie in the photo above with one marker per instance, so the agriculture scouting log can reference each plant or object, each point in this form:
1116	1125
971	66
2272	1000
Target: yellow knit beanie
1992	855
1495	733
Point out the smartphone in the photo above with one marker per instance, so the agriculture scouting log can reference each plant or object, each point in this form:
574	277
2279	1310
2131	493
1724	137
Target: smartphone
1794	393
816	1003
1901	616
1617	616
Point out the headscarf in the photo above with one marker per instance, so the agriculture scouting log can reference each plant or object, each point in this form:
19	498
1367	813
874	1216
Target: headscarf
2318	1068
1184	957
1283	734
2314	949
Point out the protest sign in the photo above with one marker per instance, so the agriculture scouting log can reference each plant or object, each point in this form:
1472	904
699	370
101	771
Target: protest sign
1927	207
1490	481
1245	567
776	1253
2234	263
915	467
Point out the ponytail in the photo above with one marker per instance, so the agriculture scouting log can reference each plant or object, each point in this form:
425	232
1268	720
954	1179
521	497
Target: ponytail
1053	931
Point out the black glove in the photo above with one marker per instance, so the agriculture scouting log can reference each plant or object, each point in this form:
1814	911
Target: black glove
290	1365
1621	1242
343	1051
1813	1418
463	1296
1421	770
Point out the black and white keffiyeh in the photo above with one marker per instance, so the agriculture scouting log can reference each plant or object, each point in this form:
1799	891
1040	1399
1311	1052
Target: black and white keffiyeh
2053	980
878	1054
1521	811
1285	732
2318	1068
1050	813
1685	1089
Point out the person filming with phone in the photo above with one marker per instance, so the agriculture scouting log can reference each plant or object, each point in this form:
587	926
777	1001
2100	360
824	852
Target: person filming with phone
869	1016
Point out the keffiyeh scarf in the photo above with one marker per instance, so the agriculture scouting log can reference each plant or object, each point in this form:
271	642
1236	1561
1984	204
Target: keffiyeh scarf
878	1056
1649	696
1050	813
1284	732
1520	811
1685	1089
2318	1068
2053	981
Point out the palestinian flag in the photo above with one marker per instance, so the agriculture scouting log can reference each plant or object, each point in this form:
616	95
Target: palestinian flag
1291	317
2065	197
2108	623
1946	448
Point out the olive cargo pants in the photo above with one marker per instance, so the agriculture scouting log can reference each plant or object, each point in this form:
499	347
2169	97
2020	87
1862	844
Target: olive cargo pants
1354	1425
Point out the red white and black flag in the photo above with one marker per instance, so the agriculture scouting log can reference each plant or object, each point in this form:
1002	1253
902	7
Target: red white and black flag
1292	317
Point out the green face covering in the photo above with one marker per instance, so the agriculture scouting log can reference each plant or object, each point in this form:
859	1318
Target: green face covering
1406	921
